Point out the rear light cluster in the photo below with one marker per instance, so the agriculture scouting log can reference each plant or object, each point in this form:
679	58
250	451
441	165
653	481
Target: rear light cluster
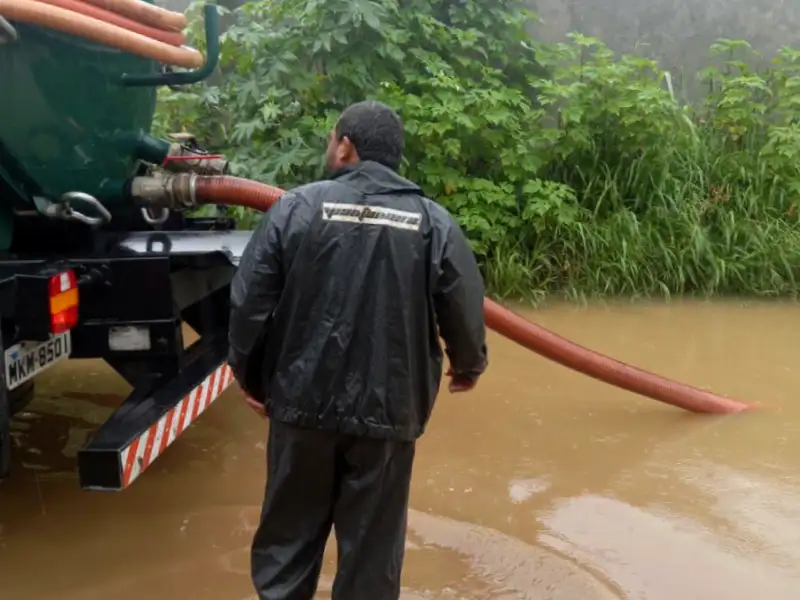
63	289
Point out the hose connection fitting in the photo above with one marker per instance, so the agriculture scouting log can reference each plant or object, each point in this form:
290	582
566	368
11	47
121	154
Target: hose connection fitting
175	192
186	156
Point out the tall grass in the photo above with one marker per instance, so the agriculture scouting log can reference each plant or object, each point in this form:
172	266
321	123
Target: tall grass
698	200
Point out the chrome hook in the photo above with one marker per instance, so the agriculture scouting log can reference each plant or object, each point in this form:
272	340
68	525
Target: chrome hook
147	215
65	210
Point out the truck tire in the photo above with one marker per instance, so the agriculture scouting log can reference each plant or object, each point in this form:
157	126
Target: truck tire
19	398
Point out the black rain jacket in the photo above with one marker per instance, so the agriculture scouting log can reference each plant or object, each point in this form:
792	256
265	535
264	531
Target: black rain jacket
337	300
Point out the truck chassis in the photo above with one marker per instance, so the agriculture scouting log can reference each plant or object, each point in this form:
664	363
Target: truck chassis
136	289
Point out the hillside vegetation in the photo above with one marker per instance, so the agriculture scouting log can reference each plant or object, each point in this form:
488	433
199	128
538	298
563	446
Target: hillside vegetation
574	171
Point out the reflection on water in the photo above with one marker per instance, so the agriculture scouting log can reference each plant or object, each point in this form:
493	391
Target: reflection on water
541	484
660	554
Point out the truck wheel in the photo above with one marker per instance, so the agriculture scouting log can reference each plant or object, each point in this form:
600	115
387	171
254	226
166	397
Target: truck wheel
18	398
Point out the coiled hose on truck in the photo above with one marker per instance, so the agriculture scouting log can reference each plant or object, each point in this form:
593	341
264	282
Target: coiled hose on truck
173	38
251	194
144	12
152	32
129	25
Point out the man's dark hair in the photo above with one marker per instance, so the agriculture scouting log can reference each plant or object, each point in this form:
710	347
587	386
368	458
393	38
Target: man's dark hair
375	130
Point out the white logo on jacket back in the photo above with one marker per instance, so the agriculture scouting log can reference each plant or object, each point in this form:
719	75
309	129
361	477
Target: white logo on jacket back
371	215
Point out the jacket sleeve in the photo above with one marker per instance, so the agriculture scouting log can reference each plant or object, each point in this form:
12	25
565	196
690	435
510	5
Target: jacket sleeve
256	289
458	301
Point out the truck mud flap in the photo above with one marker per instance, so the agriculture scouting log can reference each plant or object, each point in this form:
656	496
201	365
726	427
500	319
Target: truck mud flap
152	417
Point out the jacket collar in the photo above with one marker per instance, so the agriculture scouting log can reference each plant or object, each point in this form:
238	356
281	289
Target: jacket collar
372	178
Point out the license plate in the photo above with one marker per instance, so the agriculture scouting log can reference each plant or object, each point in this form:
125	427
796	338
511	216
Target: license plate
27	359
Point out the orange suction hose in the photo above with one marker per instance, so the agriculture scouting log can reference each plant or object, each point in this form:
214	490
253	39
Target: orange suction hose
235	191
606	369
145	13
259	196
173	38
54	17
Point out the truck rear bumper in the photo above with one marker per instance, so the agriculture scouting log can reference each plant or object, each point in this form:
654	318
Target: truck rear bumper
141	290
152	417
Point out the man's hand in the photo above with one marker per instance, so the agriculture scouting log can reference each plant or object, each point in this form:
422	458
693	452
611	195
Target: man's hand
464	384
255	405
460	383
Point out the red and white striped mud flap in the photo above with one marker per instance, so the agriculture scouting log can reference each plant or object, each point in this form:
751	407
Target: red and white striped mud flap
145	426
144	450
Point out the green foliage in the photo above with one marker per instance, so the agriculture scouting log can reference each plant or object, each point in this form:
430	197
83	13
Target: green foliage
572	170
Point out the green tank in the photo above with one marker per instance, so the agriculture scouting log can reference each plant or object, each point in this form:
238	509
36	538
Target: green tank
75	116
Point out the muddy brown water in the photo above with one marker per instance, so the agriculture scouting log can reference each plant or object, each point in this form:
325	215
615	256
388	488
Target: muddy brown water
541	484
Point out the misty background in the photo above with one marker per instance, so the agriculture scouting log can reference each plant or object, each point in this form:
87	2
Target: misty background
677	33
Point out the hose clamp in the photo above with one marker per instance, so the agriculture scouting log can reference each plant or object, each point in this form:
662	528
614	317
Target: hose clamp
193	189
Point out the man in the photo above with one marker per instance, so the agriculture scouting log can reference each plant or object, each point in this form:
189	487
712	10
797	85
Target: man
334	317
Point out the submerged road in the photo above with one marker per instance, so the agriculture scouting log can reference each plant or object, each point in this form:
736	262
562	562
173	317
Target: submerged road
542	484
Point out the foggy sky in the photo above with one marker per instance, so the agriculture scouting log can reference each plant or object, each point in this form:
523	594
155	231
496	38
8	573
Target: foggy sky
676	32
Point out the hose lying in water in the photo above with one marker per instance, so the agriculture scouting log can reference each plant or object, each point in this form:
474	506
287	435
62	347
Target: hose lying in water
96	30
259	196
606	369
173	38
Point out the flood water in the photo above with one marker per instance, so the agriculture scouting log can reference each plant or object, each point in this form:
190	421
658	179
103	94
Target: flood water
541	484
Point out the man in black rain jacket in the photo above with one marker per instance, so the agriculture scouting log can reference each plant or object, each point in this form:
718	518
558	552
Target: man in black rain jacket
336	312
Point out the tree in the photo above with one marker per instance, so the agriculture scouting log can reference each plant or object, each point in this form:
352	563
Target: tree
462	74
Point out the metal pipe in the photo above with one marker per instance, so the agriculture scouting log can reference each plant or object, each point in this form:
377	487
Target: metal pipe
211	17
8	33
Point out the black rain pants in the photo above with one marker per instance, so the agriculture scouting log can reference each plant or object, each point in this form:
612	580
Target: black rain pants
318	480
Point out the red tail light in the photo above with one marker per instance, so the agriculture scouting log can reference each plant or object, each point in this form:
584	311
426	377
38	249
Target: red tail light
63	301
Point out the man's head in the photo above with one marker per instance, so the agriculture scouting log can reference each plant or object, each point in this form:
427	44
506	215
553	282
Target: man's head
366	130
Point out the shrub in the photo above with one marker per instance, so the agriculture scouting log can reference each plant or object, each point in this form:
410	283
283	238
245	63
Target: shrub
572	170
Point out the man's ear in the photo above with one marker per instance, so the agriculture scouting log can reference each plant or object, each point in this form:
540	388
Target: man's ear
346	151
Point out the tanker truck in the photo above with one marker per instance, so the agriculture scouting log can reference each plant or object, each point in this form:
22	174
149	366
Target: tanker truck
101	253
88	269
